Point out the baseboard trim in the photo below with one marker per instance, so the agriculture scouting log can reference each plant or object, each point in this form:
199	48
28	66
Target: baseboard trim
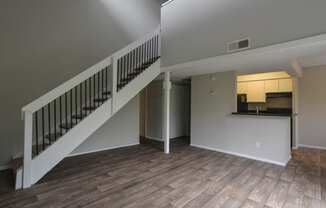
312	146
155	139
103	149
161	140
242	155
5	167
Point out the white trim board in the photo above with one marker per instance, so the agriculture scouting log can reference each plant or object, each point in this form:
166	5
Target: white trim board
312	146
154	138
103	149
242	155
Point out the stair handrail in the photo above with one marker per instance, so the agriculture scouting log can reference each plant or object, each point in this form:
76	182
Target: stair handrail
71	83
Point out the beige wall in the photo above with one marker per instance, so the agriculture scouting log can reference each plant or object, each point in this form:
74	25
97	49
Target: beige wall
312	107
213	127
121	130
45	42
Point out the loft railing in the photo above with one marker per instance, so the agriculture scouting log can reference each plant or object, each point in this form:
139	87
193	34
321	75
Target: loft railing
53	115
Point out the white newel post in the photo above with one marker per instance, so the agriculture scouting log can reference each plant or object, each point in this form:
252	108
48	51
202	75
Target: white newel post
28	143
114	71
166	112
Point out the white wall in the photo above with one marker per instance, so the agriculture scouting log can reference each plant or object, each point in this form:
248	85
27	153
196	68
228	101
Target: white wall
45	42
153	110
312	107
213	127
120	130
194	29
179	110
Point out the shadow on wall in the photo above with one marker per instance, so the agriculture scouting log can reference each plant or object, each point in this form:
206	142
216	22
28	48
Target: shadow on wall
44	43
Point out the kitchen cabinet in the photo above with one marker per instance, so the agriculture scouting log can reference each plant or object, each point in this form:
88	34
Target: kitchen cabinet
285	85
242	88
271	86
256	92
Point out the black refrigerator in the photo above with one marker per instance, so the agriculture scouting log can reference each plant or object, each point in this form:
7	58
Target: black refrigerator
242	103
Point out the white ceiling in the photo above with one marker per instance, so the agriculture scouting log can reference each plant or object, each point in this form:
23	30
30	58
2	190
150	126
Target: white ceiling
307	52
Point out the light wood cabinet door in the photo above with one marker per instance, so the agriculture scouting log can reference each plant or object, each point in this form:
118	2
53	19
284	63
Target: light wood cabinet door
271	86
256	92
242	87
285	85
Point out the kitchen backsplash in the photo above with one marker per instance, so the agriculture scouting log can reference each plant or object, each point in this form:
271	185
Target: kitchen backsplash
284	102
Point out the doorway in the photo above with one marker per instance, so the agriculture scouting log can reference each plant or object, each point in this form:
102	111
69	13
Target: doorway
151	113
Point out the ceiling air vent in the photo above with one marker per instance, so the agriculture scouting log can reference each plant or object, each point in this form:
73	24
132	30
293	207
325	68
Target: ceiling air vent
238	45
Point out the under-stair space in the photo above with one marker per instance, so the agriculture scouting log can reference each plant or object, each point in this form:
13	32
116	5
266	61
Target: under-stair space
58	122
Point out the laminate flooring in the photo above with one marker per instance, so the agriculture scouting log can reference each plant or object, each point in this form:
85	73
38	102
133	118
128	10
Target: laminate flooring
143	176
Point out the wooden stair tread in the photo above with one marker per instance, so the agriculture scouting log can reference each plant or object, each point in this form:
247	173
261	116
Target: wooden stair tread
100	100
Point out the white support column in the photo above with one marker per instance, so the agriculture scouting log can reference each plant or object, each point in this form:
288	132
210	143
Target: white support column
28	142
114	81
295	116
166	112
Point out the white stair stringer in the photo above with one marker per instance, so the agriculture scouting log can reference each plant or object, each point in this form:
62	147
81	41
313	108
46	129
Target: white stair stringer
19	178
50	157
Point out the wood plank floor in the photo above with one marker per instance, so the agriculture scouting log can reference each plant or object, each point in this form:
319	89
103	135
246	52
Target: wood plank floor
142	176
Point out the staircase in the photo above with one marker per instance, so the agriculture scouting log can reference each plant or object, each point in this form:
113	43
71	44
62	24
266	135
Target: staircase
58	122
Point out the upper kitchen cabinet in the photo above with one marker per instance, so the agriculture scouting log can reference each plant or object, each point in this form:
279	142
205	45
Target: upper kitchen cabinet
271	86
285	85
242	87
256	92
255	86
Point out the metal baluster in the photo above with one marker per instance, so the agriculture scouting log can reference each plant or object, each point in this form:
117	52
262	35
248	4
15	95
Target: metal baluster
55	119
81	100
94	90
72	122
118	75
43	129
133	62
60	109
149	50
36	132
106	80
153	49
146	53
142	55
66	110
127	68
102	92
139	58
130	66
76	104
98	87
90	92
157	52
120	63
85	94
124	69
49	122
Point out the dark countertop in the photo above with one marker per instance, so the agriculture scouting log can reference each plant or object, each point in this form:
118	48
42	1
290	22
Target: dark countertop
262	114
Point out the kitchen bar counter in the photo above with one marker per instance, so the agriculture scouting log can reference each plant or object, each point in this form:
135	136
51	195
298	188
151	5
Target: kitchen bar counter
262	114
